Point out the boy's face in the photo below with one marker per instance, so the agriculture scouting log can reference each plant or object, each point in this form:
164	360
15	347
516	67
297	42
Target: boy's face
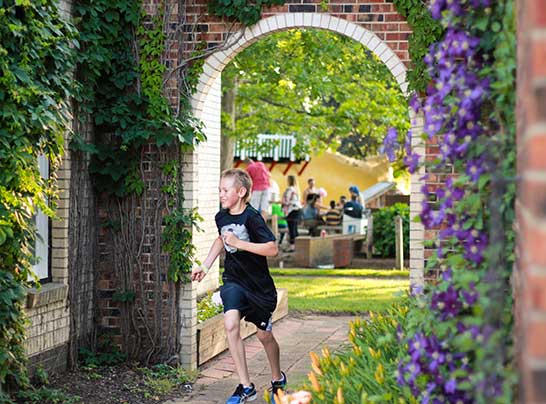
230	192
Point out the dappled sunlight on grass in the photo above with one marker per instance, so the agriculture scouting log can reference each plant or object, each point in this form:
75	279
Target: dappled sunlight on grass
340	294
371	273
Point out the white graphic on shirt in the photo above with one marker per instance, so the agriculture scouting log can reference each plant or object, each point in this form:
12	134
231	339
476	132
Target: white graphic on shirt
239	230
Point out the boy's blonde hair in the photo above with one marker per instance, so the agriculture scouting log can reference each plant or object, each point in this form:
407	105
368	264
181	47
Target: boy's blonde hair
242	178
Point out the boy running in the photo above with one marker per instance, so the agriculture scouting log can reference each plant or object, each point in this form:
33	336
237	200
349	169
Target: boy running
248	291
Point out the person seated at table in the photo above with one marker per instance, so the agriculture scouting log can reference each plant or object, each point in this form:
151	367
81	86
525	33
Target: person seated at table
333	216
311	215
341	203
354	208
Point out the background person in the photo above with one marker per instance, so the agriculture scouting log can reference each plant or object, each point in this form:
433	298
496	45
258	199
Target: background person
320	200
260	176
291	206
311	215
333	216
274	191
341	203
311	189
354	208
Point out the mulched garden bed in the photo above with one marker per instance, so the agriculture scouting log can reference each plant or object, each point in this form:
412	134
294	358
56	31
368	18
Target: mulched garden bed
122	384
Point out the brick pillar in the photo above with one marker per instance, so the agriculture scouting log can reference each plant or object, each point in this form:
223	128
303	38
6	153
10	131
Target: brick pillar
530	282
417	231
188	326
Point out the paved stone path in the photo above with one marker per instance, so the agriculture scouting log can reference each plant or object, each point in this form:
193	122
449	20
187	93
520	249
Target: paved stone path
297	336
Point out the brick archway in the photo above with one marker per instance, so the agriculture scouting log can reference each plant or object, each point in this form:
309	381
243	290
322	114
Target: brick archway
203	165
218	60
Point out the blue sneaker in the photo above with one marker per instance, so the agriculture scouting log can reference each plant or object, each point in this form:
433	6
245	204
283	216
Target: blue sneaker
276	386
243	394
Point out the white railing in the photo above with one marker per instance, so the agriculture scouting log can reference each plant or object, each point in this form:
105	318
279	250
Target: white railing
282	147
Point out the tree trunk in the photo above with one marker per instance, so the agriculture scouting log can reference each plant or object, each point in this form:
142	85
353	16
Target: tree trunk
82	234
227	145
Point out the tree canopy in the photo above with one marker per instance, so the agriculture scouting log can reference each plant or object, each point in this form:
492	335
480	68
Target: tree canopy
326	89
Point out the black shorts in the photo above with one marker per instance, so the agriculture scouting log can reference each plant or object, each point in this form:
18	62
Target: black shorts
235	297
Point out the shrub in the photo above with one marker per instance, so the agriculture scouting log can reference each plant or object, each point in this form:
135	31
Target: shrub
207	308
161	379
384	241
367	373
45	395
107	354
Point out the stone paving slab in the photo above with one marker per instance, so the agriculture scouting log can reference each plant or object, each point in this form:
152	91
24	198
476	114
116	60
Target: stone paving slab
297	336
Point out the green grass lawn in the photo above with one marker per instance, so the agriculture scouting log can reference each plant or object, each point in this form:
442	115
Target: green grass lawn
368	273
340	294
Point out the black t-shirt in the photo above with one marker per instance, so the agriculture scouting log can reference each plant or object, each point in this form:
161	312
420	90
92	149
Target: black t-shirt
245	268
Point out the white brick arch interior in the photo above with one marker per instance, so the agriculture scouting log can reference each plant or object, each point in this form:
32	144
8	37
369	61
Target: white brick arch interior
203	169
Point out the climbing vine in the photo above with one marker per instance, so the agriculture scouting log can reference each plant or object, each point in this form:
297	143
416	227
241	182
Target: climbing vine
136	160
35	63
122	73
247	12
459	334
425	31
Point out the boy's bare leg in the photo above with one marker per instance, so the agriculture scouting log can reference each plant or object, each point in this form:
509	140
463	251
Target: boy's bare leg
273	353
232	321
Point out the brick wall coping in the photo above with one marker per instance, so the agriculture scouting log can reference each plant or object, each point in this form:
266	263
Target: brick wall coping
46	294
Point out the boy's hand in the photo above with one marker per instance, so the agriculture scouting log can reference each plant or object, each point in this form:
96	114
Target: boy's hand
231	239
197	274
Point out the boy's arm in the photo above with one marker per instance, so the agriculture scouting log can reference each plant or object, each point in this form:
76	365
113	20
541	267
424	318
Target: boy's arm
197	274
268	249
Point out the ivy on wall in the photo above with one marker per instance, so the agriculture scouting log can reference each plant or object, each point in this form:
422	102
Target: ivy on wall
247	12
36	59
136	160
122	74
118	90
425	31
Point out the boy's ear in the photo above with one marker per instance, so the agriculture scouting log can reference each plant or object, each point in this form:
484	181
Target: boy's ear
242	192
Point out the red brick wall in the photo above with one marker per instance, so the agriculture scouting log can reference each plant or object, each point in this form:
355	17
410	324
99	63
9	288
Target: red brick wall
378	16
531	206
157	297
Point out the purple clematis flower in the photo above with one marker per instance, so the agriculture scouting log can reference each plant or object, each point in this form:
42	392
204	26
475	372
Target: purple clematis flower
390	144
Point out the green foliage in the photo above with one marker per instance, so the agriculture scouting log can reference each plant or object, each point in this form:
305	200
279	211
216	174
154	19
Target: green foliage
247	12
41	376
367	372
36	60
44	395
161	379
326	89
177	233
426	31
124	96
384	235
488	206
127	296
107	354
123	92
206	308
